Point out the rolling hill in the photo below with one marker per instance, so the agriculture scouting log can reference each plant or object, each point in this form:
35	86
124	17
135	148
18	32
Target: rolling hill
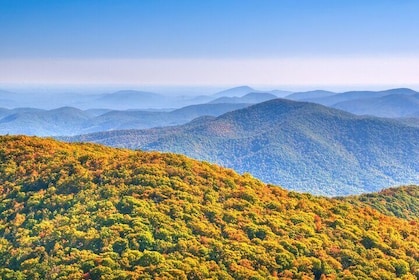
301	146
29	121
83	211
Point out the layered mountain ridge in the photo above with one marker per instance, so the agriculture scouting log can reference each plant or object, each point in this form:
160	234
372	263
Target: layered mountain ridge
132	109
302	146
73	121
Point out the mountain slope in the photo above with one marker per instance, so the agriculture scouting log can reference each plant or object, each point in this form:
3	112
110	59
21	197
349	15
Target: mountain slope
402	202
301	146
82	211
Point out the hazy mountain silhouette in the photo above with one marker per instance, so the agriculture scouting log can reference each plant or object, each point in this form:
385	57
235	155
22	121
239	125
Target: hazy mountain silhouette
309	95
234	92
131	99
393	103
250	98
72	121
119	100
330	100
390	106
61	121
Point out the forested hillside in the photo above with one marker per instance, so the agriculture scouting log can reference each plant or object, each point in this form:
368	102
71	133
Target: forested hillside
401	202
84	211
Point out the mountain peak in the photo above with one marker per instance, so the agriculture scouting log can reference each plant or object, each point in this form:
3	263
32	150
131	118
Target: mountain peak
249	98
406	91
235	92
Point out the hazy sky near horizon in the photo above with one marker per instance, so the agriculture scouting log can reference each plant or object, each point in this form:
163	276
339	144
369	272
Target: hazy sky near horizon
277	42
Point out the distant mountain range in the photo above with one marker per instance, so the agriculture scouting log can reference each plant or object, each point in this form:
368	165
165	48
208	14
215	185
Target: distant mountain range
235	92
389	106
330	98
310	95
244	90
393	103
302	146
72	121
123	99
250	98
132	99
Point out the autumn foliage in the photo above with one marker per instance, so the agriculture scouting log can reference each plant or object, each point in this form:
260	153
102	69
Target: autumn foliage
84	211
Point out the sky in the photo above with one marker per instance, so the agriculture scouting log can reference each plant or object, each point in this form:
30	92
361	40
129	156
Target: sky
288	43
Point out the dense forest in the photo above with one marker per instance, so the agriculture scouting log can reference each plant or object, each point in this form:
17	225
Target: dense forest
401	202
84	211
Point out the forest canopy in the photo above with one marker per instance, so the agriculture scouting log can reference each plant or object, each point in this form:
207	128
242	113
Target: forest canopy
85	211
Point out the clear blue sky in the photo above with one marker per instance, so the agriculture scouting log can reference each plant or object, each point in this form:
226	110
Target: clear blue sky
213	29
